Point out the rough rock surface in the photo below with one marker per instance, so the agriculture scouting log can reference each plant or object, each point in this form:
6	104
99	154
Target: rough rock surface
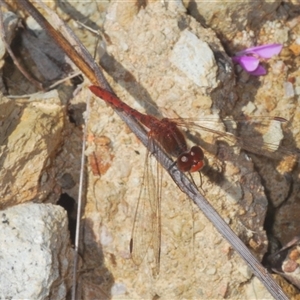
152	62
229	18
30	136
36	257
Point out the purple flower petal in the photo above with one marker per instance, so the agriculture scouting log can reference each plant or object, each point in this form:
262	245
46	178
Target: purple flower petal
249	63
259	71
265	51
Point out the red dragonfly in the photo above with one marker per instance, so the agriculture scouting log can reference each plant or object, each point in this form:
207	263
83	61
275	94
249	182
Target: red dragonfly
147	224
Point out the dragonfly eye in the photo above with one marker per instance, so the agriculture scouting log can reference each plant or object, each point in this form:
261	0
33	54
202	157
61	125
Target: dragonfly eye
192	160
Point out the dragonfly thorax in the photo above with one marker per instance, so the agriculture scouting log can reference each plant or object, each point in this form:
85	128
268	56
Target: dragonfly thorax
169	136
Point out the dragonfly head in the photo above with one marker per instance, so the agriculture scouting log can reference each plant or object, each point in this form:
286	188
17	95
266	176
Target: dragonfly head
191	161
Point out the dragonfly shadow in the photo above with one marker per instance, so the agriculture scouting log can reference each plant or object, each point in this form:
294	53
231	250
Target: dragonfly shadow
255	146
243	192
222	152
215	173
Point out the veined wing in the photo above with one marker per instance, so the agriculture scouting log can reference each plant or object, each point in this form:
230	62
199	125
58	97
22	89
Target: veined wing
259	135
146	231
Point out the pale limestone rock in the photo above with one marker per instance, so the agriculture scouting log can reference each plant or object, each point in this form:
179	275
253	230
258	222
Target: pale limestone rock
195	59
35	252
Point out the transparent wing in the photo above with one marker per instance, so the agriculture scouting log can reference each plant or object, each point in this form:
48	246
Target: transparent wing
146	231
259	135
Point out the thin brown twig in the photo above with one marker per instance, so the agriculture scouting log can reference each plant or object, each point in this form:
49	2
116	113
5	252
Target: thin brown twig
58	82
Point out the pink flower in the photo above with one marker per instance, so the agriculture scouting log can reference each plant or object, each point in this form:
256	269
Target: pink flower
249	59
